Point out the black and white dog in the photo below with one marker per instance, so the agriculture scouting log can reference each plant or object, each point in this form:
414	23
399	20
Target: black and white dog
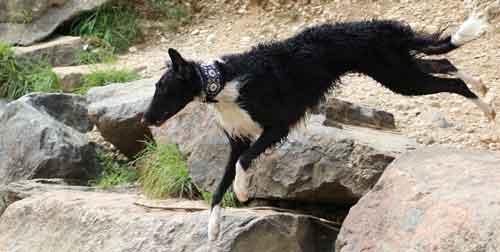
260	95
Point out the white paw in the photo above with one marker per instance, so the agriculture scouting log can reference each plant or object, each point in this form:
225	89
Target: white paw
240	184
214	223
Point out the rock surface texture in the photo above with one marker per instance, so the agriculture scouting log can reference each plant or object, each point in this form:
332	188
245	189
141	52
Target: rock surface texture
39	139
29	21
117	109
339	111
434	199
111	222
19	190
61	51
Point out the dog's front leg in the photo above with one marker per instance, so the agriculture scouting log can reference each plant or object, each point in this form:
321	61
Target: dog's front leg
238	146
268	138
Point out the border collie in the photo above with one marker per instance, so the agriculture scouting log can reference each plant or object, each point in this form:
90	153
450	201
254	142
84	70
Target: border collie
261	94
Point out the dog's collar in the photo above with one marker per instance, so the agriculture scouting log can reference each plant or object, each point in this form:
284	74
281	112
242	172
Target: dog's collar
211	81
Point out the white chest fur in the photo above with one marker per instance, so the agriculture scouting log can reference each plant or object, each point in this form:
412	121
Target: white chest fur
235	120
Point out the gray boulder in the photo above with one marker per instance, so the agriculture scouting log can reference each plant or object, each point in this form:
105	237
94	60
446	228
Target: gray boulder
316	164
29	21
35	144
60	51
433	199
117	109
88	221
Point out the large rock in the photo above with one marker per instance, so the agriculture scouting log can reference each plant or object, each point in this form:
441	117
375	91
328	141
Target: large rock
35	144
75	221
29	21
434	199
316	164
61	51
117	109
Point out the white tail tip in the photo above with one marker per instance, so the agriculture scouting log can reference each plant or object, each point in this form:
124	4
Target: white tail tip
471	29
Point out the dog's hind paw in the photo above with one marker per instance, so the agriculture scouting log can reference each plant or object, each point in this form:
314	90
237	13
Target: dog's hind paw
214	223
240	185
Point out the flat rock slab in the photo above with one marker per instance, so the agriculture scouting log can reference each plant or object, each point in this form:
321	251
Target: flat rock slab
116	110
30	21
29	188
433	199
71	77
60	51
353	114
88	221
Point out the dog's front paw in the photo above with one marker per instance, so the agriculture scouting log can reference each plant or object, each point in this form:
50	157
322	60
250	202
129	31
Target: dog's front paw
240	185
214	223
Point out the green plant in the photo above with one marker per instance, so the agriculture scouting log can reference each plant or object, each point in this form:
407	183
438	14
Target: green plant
165	173
19	76
104	77
115	23
115	172
95	56
97	51
229	199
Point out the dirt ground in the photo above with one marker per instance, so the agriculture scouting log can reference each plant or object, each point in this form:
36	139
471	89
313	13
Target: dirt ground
435	119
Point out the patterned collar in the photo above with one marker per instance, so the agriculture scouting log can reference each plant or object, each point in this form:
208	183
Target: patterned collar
211	82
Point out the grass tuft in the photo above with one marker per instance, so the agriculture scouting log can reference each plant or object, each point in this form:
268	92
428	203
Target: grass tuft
229	199
95	56
117	24
20	76
115	172
105	77
165	173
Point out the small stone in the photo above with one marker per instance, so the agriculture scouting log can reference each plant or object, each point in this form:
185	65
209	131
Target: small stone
211	39
132	49
195	32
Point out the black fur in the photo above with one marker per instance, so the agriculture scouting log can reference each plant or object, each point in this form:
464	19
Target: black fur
282	80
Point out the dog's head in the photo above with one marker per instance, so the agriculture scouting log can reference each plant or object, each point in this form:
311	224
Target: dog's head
178	86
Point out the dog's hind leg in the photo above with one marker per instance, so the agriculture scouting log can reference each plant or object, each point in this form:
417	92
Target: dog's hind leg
268	138
238	146
444	66
412	81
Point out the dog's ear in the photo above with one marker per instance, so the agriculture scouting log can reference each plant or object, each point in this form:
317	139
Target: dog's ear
178	63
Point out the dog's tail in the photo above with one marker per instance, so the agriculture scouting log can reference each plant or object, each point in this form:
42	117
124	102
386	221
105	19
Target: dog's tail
432	44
